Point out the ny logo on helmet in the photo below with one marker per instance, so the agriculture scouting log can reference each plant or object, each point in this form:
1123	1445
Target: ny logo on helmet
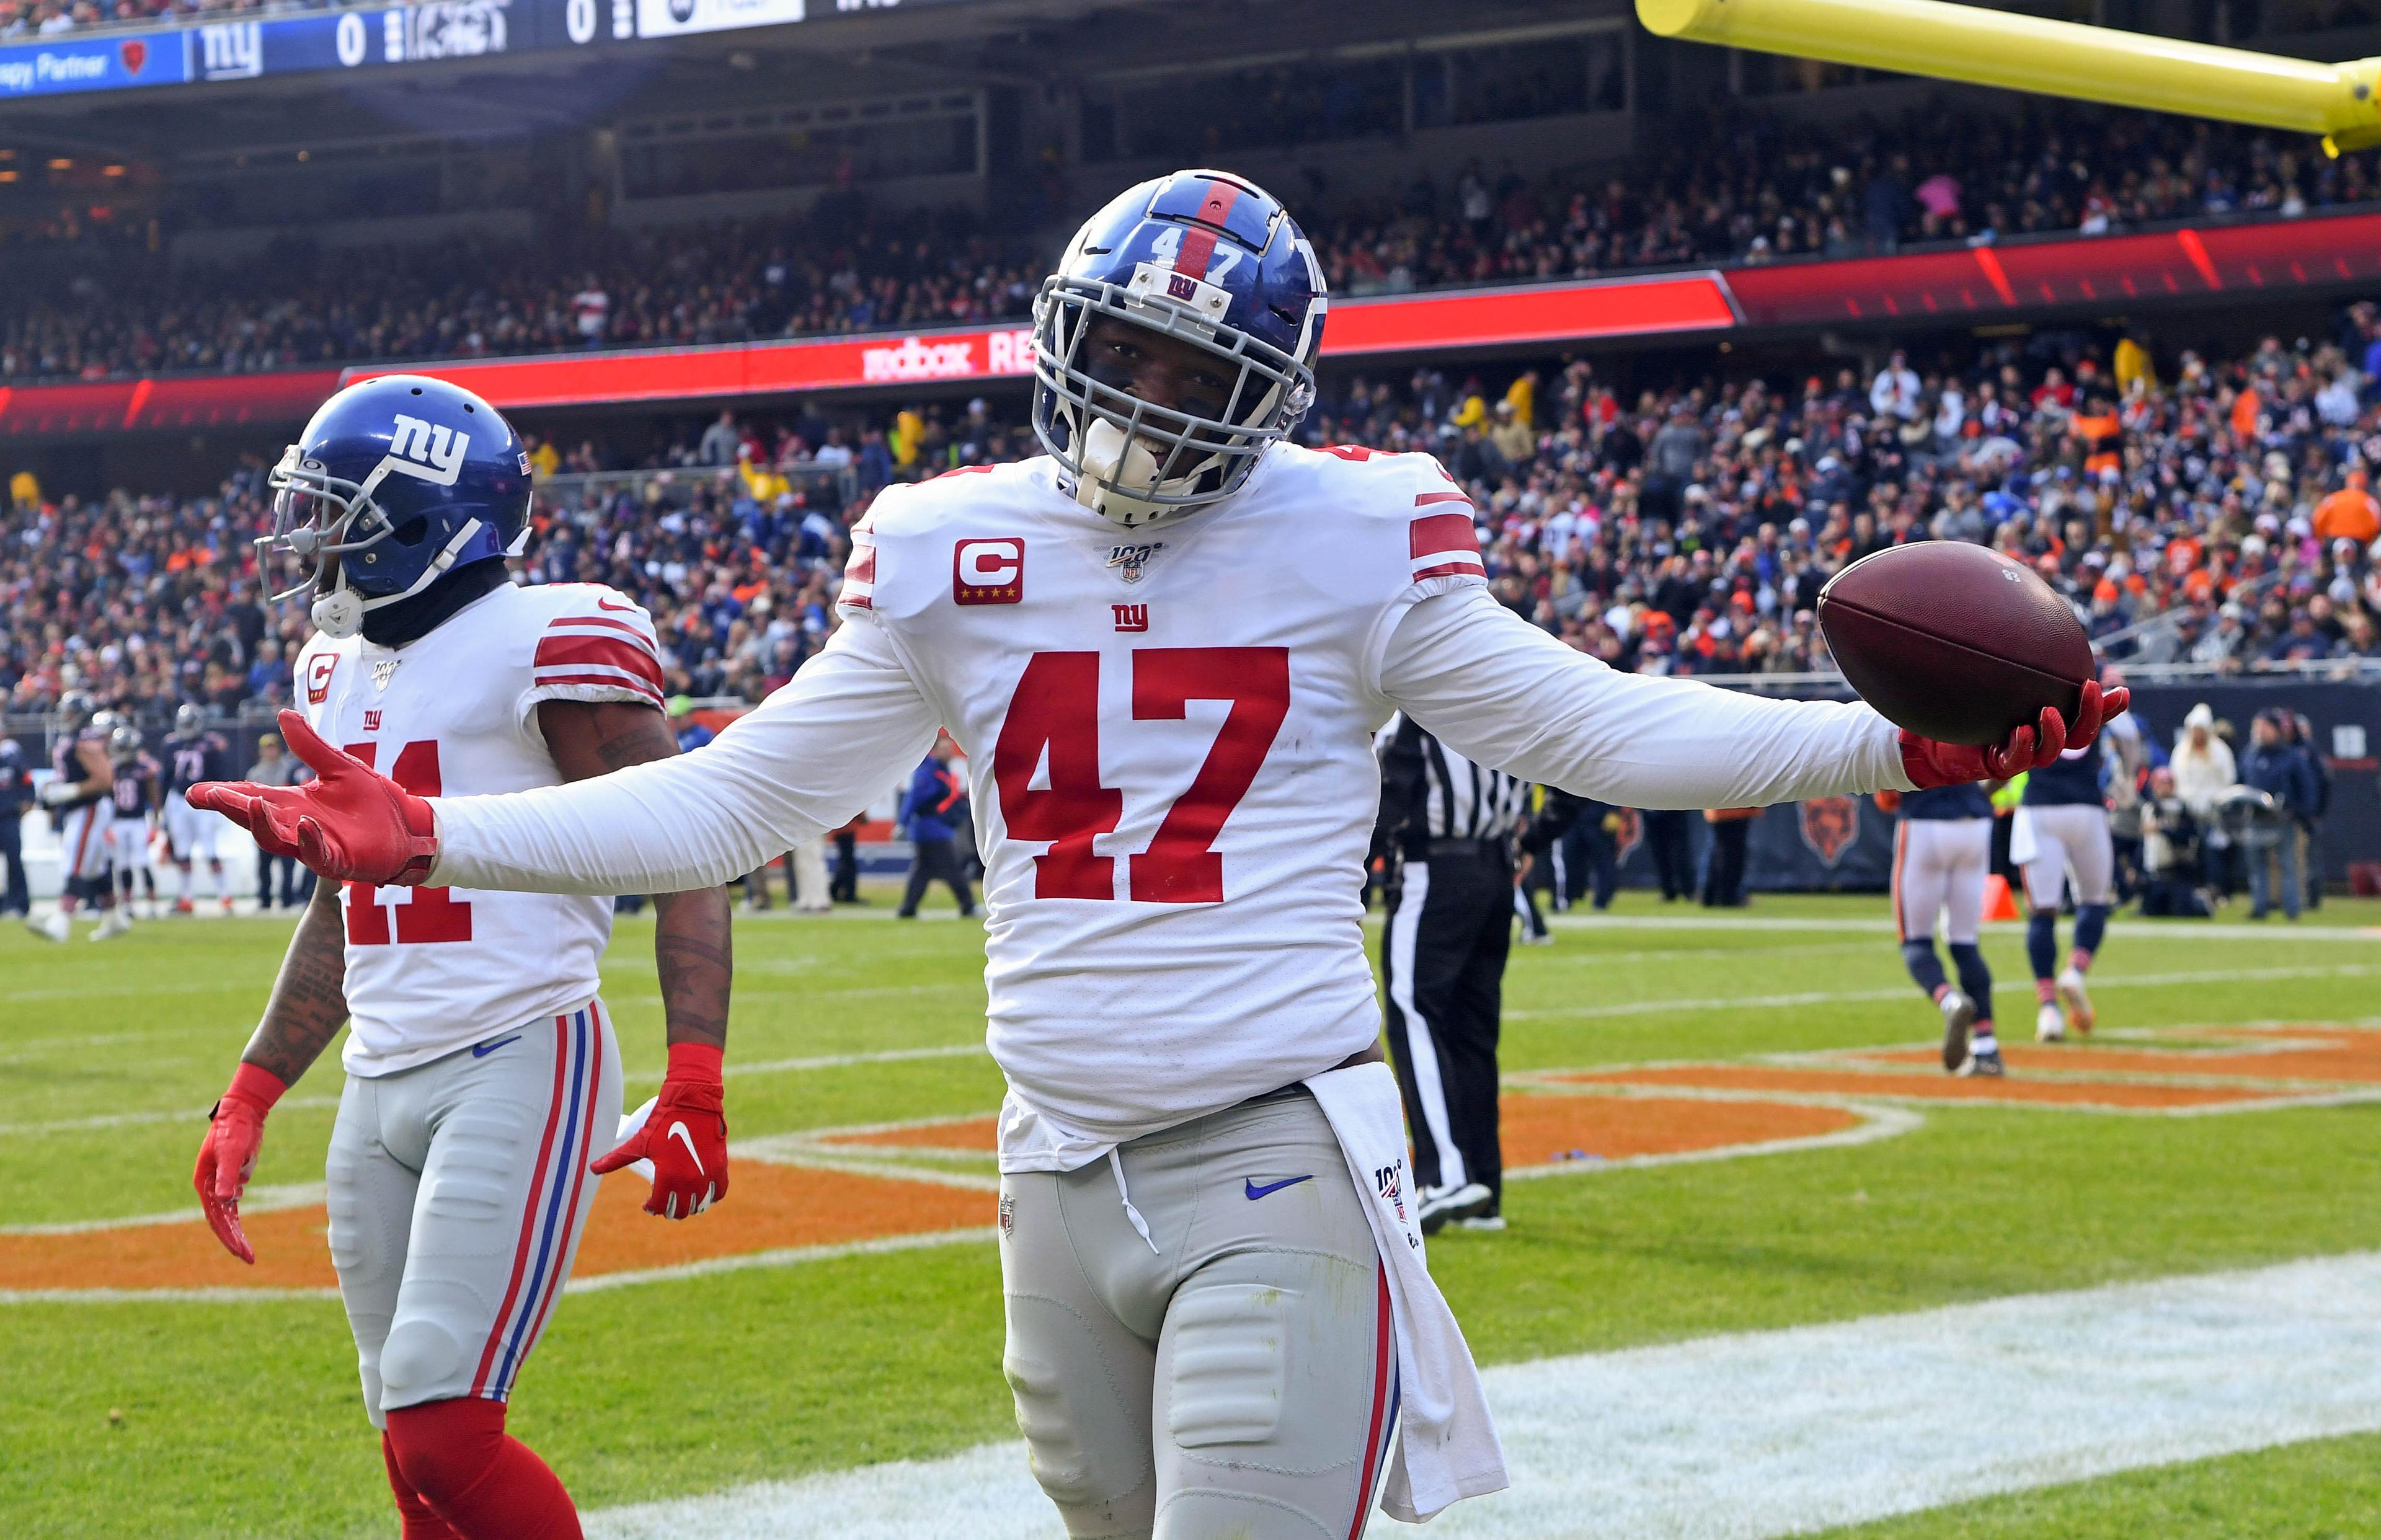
427	450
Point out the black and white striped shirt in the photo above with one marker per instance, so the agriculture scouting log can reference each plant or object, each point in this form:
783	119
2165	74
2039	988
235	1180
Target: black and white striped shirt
1428	791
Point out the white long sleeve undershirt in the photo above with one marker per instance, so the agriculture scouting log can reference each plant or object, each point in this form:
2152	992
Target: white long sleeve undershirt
1489	684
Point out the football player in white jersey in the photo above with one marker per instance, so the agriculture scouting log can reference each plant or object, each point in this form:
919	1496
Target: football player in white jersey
482	1074
1164	645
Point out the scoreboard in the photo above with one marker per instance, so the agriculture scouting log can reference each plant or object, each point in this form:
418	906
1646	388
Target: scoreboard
375	37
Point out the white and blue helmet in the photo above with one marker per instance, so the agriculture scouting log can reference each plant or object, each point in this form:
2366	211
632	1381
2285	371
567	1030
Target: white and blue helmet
1212	260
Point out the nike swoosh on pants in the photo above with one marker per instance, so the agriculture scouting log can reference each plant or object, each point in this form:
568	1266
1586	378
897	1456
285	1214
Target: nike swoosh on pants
481	1050
1248	1185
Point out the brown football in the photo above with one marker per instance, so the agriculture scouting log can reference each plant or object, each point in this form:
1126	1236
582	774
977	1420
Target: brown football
1954	641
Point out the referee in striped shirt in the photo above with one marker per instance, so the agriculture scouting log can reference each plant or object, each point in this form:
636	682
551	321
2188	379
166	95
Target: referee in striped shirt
1451	825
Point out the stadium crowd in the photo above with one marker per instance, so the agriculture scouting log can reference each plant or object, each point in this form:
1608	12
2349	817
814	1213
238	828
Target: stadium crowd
1720	189
2220	515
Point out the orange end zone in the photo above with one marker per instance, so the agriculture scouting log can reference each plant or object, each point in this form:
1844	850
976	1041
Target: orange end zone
769	1208
1541	1131
2354	1057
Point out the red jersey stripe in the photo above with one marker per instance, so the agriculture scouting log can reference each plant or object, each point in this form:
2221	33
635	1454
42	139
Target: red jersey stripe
1427	498
640	633
615	681
1452	569
606	652
861	568
1441	531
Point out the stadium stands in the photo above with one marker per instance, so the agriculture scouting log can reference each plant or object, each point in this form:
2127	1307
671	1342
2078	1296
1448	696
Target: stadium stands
1717	191
2215	514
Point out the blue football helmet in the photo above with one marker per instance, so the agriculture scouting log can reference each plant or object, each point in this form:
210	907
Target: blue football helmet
1213	260
395	483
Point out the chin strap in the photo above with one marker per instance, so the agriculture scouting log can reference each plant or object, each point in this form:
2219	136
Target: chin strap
340	613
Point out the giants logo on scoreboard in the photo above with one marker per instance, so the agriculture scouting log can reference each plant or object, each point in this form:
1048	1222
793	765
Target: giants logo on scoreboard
988	571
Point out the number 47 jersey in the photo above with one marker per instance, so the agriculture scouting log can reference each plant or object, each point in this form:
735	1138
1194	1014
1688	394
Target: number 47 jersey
1170	736
430	971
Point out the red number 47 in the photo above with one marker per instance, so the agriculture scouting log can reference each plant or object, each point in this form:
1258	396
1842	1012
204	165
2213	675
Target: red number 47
1057	709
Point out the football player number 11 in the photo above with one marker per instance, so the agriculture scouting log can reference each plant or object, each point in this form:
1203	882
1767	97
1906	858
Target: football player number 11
433	913
1056	712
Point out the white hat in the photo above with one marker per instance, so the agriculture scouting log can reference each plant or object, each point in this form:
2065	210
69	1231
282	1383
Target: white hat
2200	716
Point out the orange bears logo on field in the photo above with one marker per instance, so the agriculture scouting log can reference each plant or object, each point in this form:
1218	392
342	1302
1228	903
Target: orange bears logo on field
1830	826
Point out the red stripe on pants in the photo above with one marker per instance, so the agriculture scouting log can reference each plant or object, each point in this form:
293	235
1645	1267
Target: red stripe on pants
529	1212
577	1184
1384	1370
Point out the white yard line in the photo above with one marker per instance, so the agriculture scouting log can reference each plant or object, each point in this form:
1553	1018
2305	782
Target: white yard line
1763	1434
2100	983
265	1199
2179	929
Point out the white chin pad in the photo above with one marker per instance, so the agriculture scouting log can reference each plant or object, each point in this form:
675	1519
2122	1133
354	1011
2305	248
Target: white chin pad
1109	455
339	614
631	1122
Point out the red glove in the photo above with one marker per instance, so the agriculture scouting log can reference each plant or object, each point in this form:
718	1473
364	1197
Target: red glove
351	823
686	1137
1929	764
227	1154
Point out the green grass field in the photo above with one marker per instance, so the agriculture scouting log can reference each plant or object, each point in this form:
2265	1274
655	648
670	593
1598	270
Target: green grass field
135	1417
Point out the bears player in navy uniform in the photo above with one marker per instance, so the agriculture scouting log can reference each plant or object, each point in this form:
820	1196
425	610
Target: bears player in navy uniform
1942	852
2061	840
78	795
195	753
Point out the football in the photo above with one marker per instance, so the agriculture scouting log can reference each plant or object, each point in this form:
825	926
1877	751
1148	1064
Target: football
1954	641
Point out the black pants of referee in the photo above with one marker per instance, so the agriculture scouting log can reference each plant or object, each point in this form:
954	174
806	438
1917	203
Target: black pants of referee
936	858
1449	927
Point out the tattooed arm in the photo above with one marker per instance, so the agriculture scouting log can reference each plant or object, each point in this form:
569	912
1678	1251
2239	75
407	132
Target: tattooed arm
310	997
692	947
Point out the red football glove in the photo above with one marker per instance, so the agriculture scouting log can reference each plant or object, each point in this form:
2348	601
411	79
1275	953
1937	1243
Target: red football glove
686	1137
1929	764
227	1154
351	823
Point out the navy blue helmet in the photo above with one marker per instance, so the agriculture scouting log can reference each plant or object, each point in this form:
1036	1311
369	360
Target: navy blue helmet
1216	262
395	483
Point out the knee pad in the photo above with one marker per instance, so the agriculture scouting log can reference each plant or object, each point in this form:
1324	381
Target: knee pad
1228	1373
1975	978
2091	925
445	1449
1924	965
420	1356
2042	942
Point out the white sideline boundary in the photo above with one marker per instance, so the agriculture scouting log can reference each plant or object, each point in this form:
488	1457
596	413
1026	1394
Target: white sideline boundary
1764	1434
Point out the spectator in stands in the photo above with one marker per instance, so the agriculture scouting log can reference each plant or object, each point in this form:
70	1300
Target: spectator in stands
1895	389
2350	513
721	442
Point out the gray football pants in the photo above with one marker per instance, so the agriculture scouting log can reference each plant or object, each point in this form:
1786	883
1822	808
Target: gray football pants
1235	1372
458	1192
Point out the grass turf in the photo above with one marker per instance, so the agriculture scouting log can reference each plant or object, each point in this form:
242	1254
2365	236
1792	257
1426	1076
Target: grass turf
242	1419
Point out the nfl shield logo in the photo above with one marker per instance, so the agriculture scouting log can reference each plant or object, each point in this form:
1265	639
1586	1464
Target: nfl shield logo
1131	562
382	670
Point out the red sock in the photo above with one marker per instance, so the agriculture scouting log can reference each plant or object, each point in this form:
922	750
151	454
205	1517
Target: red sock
485	1484
1941	990
419	1522
2079	959
2046	990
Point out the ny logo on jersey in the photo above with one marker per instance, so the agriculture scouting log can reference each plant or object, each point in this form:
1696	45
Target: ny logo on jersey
428	451
1132	617
372	721
988	571
1131	562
